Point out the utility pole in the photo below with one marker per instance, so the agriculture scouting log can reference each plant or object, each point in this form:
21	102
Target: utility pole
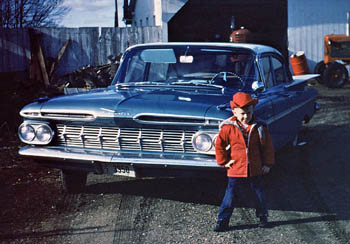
116	14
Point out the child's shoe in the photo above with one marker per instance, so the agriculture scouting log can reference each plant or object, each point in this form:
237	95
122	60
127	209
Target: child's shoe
263	222
221	226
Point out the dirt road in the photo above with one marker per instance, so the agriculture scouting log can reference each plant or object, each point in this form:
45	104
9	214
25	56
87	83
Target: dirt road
308	192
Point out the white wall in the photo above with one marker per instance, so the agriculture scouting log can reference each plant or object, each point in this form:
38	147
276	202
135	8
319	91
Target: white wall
156	13
169	9
309	21
148	13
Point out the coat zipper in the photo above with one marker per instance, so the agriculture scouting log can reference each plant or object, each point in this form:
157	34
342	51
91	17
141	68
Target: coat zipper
249	135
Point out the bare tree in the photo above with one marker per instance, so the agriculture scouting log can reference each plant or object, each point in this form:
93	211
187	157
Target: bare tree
31	13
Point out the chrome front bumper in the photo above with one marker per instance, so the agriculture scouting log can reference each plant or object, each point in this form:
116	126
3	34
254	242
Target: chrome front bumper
135	159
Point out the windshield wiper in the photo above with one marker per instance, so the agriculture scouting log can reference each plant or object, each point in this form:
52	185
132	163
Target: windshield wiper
196	84
155	83
141	83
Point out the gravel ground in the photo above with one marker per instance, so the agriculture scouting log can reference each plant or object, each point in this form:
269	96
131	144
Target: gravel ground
308	192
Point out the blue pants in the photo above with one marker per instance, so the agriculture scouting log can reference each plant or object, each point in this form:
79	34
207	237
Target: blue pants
228	202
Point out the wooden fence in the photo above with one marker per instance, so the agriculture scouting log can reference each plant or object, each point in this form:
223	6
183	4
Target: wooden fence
87	46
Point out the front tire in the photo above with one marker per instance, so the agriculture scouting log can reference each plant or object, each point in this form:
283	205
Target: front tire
335	75
319	69
73	181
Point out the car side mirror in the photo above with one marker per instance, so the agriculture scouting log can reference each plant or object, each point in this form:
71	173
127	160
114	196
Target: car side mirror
258	86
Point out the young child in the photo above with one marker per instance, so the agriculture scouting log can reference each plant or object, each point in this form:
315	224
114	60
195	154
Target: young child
244	147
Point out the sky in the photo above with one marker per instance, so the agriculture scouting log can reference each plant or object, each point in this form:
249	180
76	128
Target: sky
92	13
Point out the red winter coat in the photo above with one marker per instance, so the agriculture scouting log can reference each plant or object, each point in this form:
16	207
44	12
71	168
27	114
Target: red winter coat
251	157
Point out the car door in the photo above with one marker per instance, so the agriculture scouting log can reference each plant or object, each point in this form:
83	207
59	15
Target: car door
282	124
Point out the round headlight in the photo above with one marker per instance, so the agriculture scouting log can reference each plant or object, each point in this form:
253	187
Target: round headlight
202	142
43	133
26	133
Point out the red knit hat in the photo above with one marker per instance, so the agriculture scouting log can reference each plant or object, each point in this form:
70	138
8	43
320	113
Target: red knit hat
241	99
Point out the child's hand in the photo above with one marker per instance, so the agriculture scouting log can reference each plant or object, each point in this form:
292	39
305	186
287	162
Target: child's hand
265	169
229	164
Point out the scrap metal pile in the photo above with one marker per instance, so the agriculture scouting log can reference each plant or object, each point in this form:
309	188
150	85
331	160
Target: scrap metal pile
85	78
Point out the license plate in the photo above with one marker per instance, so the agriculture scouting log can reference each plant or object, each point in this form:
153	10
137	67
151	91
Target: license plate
119	169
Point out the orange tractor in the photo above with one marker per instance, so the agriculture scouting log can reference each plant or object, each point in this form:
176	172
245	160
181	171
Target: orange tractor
332	70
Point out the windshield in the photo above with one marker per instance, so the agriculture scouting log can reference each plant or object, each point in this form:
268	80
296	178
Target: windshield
188	65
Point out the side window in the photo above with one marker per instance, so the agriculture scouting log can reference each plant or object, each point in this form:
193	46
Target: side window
267	71
278	70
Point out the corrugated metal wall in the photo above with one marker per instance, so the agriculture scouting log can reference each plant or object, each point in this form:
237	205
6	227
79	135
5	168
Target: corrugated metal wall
87	47
309	21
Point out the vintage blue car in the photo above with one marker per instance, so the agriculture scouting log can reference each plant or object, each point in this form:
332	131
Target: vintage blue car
160	115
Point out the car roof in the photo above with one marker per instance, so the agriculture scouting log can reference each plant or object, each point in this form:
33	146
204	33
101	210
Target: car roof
256	48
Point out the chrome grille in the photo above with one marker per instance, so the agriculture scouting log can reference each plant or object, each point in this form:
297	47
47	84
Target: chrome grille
136	139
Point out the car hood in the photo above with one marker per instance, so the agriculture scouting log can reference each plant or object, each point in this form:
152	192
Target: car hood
133	103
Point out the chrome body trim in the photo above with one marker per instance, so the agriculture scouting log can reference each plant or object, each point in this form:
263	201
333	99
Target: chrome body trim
35	114
288	111
163	121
